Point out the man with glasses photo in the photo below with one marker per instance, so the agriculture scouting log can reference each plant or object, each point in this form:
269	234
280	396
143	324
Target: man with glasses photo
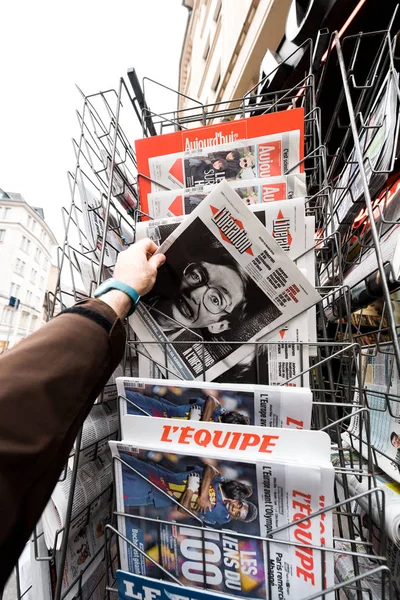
202	289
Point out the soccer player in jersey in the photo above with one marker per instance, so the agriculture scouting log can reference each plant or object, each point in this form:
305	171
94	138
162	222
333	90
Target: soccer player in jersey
198	409
201	492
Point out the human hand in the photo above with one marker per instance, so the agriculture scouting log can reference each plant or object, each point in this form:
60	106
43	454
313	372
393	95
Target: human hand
203	504
193	482
137	266
195	413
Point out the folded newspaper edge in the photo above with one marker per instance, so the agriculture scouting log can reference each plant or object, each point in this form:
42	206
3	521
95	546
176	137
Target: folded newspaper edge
223	217
263	405
173	203
208	438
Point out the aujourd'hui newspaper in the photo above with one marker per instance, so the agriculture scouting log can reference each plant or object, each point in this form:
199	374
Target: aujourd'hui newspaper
226	283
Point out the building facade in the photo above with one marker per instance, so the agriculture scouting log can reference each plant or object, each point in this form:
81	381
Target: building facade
224	44
26	244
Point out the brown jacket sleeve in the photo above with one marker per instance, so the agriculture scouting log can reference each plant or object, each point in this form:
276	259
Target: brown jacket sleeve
48	384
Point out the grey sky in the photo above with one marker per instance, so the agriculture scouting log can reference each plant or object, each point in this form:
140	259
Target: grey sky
49	46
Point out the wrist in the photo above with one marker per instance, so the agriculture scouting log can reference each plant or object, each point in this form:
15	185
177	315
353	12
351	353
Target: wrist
123	301
120	302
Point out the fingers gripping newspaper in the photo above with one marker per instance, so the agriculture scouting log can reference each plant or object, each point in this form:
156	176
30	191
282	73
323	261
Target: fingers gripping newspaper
226	280
202	515
278	361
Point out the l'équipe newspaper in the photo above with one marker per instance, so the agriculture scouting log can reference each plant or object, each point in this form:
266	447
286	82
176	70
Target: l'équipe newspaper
246	495
268	406
225	280
253	191
256	158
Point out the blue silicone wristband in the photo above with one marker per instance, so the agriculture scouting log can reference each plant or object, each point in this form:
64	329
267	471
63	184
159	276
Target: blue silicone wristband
114	284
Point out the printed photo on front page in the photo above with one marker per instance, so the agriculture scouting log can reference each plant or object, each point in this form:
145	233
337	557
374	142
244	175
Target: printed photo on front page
226	280
214	513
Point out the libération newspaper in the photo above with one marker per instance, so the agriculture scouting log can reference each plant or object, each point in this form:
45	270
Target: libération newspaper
226	280
268	406
257	158
252	191
202	513
283	219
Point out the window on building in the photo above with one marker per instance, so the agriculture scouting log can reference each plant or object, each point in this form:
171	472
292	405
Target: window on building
14	289
28	297
24	318
20	266
37	302
2	235
33	275
25	244
31	223
217	11
7	315
33	323
41	284
206	49
4	213
217	79
45	263
38	254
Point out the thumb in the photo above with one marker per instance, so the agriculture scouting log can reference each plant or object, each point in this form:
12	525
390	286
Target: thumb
157	260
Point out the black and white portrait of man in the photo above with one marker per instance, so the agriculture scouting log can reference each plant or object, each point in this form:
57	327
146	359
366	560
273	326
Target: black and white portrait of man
202	289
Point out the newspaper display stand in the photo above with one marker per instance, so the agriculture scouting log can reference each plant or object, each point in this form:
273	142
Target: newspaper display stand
339	187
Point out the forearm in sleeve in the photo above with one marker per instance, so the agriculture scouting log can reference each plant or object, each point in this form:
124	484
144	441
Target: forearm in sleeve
48	384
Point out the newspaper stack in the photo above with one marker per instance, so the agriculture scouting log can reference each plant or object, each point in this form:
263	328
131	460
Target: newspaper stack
267	406
253	191
200	498
220	151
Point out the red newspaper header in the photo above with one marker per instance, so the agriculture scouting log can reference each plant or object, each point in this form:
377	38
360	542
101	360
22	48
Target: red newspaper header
213	135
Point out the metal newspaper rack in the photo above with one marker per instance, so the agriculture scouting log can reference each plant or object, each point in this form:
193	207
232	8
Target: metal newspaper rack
337	372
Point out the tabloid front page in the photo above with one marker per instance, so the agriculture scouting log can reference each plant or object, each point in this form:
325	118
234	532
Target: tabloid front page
257	158
226	280
268	406
252	191
214	511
